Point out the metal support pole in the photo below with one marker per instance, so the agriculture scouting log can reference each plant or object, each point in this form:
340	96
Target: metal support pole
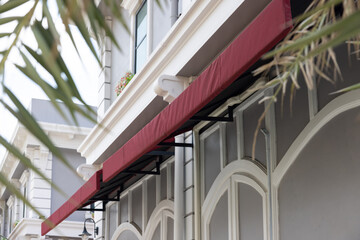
179	190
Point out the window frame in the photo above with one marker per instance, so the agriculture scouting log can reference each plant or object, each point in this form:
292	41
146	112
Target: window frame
136	45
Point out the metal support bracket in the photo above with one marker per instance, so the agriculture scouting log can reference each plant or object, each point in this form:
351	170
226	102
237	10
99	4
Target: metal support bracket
156	172
93	209
160	153
230	118
173	144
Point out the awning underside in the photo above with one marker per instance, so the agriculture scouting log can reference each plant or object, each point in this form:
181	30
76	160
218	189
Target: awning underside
228	75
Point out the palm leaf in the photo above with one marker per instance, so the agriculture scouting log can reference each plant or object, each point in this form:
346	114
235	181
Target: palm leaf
27	163
11	5
25	118
9	19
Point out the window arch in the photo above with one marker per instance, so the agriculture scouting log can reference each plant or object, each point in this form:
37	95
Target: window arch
161	222
237	193
332	174
126	231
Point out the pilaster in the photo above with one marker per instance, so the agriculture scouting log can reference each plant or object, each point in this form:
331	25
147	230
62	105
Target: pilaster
17	202
104	90
39	189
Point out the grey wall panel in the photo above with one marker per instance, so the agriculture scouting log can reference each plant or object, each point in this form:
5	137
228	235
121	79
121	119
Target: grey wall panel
250	118
43	111
120	62
161	21
291	117
218	226
170	229
211	159
127	235
137	206
319	195
67	180
250	213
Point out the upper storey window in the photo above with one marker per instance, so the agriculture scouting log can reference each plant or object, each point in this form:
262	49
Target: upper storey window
141	37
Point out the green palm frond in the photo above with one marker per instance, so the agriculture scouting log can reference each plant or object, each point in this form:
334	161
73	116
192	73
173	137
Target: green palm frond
82	16
308	49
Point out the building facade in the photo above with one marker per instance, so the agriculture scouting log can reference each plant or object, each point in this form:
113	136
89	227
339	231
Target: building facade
181	157
18	220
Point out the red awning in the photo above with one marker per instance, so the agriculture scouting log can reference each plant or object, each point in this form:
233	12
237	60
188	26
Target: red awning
259	37
268	28
77	200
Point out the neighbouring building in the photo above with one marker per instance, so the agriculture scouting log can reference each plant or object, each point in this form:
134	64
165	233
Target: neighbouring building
18	221
174	149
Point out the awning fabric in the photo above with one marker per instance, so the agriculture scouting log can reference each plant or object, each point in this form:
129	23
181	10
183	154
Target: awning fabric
77	200
259	37
267	29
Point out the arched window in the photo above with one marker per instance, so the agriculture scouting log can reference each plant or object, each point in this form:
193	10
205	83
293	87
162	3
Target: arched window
161	222
126	231
316	181
236	205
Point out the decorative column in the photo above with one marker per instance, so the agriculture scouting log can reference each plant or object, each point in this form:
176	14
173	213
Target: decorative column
104	93
179	207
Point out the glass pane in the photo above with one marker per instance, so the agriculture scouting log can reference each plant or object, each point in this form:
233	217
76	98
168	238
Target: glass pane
250	213
112	218
219	226
141	24
291	117
170	229
211	159
163	181
137	206
349	66
151	196
141	55
127	235
124	209
319	194
231	141
156	235
250	118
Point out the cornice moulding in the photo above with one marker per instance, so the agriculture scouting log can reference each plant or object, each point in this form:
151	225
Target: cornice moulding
131	5
166	59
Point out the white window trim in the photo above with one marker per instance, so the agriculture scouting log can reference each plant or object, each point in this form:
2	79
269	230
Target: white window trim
149	31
